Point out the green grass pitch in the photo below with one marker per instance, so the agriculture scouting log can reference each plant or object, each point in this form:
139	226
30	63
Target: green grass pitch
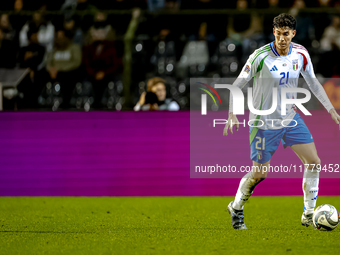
158	225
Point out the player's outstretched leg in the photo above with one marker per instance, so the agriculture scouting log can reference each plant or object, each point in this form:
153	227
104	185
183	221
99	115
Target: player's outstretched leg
245	189
310	184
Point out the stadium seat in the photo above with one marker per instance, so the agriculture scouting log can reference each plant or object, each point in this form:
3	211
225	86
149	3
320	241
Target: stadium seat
51	96
164	59
226	58
82	96
112	98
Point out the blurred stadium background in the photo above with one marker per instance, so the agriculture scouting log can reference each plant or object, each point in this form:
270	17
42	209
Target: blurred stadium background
78	79
99	54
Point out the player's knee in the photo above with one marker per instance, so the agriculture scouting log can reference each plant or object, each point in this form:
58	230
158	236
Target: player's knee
260	175
313	161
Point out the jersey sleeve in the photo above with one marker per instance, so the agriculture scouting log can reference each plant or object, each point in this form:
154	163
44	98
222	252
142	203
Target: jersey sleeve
308	74
307	67
247	73
250	67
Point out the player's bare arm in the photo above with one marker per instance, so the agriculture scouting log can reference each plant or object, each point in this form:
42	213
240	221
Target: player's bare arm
232	120
335	116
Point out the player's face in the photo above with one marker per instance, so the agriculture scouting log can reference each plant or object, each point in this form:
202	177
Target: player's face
283	37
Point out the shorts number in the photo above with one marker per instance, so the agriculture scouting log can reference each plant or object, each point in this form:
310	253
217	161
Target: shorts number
259	142
283	76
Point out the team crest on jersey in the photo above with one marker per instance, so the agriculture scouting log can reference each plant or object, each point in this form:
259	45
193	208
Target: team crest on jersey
259	155
247	69
295	64
284	64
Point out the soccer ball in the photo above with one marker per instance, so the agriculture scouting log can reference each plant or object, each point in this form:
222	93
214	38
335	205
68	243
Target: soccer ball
325	217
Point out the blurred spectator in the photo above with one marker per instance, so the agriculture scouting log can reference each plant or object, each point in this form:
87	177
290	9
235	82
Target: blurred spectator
304	24
100	25
9	42
147	101
155	5
173	4
18	5
6	27
164	103
63	63
8	52
71	27
45	31
101	62
332	88
30	5
11	5
195	57
31	56
321	19
141	100
324	3
243	25
70	7
18	18
244	30
273	6
329	64
331	35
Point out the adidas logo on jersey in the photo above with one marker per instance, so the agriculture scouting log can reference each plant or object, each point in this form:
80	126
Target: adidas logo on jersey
274	68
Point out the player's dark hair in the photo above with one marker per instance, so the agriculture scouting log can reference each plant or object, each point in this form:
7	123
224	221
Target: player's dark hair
284	20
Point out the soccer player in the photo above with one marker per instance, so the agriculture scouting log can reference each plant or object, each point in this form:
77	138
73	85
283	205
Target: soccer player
278	65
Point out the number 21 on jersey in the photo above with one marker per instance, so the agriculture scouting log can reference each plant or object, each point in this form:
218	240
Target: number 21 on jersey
260	143
283	74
